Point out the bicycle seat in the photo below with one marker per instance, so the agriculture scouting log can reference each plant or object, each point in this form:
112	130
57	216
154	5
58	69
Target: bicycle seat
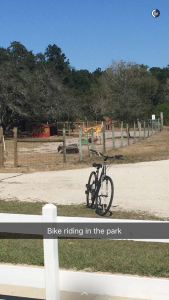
97	165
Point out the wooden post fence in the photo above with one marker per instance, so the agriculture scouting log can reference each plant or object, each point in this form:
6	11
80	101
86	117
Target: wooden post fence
37	140
161	120
80	144
144	129
69	128
1	148
64	144
127	130
104	140
158	125
15	148
86	122
139	127
134	133
92	138
121	134
113	137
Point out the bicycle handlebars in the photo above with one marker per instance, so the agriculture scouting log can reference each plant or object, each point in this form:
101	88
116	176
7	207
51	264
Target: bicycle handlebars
105	156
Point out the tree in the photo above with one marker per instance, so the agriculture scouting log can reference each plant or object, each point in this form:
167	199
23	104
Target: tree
161	75
129	89
54	55
163	107
29	89
44	87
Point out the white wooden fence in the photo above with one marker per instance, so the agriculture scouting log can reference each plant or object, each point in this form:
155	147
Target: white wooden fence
54	280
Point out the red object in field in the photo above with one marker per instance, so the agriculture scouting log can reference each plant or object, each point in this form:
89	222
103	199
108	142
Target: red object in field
95	140
41	131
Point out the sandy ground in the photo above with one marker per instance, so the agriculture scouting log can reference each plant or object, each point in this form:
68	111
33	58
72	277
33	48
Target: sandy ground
141	186
51	147
33	293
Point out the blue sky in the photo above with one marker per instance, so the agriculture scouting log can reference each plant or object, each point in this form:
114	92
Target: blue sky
91	33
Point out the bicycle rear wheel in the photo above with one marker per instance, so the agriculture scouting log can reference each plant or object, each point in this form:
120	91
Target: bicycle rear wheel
105	196
91	186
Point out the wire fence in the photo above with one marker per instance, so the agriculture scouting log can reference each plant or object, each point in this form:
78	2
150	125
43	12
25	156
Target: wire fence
49	153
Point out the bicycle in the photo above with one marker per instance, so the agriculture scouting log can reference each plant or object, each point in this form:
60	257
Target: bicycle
97	188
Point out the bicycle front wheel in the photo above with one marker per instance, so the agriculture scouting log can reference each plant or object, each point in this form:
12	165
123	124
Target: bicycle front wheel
105	196
90	197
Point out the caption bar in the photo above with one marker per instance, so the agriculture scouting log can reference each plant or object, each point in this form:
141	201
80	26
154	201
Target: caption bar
155	230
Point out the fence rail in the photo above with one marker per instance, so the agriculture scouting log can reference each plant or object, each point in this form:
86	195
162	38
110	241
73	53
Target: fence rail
54	280
43	152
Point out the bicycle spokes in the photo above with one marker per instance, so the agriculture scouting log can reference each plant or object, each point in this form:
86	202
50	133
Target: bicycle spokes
105	196
90	192
107	188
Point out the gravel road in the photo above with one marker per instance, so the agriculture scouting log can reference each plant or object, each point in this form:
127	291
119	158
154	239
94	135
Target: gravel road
140	186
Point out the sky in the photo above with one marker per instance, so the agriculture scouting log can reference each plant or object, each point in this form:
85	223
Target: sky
91	33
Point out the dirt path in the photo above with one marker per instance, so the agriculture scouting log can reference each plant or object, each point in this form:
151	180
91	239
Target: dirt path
141	186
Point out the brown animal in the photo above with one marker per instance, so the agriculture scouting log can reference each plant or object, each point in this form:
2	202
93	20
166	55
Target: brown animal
72	148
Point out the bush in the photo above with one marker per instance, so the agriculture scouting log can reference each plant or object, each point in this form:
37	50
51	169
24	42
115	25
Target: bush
163	107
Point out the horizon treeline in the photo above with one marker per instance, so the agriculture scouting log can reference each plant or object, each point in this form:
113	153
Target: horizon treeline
46	88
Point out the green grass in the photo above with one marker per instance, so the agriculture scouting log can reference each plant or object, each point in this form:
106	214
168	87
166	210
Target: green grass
127	257
35	208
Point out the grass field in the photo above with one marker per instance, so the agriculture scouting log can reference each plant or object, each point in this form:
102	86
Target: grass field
127	257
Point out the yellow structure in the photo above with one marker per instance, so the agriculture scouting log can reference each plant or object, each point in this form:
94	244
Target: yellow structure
97	129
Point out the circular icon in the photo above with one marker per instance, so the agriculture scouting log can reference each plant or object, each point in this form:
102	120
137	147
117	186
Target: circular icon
155	13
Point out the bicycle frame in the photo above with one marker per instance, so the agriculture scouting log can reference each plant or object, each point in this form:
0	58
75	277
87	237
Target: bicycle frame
99	180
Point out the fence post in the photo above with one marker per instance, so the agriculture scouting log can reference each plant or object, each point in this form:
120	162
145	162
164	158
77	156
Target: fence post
80	144
113	138
161	118
134	133
1	148
158	125
127	129
148	130
152	127
104	140
64	145
69	128
139	125
51	256
121	134
86	122
92	138
15	148
144	129
155	125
